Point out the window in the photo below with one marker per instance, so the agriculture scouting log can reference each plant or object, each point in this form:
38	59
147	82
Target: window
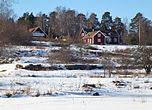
90	41
108	39
82	34
99	35
99	40
115	40
109	34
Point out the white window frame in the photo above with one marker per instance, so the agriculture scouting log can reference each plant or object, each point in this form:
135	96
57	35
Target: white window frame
109	33
99	35
90	41
83	34
99	40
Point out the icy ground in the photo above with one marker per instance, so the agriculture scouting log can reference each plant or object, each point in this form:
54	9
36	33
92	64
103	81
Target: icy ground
22	89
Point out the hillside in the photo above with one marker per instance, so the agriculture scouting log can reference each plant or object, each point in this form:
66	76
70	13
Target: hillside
77	79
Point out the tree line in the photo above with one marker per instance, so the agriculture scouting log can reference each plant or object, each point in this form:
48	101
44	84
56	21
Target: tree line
68	23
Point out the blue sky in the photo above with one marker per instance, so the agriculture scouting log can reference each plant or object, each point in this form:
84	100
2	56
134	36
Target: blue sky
120	8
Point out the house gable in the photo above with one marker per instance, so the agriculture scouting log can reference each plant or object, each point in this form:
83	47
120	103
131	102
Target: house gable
99	38
38	32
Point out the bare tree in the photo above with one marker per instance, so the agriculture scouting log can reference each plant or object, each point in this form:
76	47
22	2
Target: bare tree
108	64
5	8
145	32
10	31
143	58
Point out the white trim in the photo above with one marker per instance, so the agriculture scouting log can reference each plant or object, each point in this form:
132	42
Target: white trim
97	32
41	30
100	37
99	40
92	40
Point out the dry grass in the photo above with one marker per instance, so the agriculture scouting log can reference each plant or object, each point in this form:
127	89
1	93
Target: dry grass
43	39
127	73
3	70
136	87
96	76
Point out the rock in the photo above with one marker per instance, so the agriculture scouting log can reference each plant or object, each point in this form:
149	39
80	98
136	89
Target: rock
89	85
18	66
136	87
96	94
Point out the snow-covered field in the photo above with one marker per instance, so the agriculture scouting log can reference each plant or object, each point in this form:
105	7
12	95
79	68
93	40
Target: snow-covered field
22	89
76	103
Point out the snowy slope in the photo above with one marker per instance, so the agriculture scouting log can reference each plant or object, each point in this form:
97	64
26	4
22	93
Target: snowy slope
68	88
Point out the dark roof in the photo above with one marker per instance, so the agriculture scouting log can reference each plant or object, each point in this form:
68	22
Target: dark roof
91	34
111	32
33	29
37	28
105	32
87	30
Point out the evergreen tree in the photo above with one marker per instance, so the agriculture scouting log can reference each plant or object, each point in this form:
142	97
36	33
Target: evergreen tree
81	20
118	26
28	20
93	22
41	20
134	25
106	22
134	28
31	21
23	20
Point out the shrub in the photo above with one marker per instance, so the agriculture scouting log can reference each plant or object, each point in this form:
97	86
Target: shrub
8	95
37	94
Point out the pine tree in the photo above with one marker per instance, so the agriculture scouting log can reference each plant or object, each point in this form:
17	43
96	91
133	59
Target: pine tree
81	20
118	26
134	28
106	22
28	20
31	21
93	22
134	25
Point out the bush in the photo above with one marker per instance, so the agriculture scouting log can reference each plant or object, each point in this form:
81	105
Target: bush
8	95
64	55
13	33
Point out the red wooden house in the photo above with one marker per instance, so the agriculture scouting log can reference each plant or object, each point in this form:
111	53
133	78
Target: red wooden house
100	37
96	37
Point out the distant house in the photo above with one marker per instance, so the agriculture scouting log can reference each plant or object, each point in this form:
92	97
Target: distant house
96	37
100	37
37	32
